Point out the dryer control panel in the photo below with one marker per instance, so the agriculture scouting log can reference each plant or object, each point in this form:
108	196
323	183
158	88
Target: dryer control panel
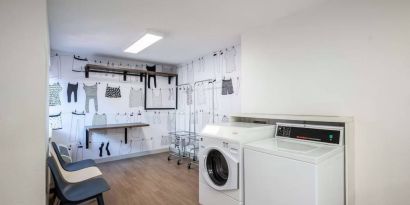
318	133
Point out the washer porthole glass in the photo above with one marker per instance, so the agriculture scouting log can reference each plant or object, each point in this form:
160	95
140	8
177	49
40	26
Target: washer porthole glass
217	167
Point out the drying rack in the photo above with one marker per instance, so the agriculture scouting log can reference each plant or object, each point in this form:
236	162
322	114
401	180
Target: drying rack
180	139
185	144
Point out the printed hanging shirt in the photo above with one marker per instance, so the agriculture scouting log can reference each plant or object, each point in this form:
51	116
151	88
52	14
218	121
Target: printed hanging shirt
112	92
55	122
54	94
136	98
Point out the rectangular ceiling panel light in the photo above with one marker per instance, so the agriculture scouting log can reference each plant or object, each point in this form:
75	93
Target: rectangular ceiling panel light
147	40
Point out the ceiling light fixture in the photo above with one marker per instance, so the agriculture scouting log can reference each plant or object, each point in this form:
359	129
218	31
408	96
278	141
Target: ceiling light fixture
142	43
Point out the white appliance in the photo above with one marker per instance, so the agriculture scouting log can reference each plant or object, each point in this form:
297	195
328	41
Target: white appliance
303	164
221	160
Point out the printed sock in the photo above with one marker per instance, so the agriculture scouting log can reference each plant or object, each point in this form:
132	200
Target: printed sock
101	148
106	148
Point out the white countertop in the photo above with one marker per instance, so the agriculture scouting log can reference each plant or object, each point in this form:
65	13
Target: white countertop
317	118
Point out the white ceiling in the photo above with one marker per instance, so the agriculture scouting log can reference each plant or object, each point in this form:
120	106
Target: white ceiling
192	28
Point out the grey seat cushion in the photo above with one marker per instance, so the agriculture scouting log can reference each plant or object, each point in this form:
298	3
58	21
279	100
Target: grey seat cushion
73	166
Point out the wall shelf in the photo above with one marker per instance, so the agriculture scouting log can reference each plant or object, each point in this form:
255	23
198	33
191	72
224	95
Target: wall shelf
125	71
93	68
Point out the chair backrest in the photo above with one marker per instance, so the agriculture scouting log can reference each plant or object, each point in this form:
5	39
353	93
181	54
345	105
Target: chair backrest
60	159
58	179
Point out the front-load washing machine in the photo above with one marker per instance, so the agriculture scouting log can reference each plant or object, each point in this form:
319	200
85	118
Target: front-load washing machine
303	164
221	160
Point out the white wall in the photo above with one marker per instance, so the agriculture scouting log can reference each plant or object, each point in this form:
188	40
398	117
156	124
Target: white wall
23	102
349	58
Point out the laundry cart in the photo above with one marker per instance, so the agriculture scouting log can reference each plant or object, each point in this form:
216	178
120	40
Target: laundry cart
177	147
192	148
184	145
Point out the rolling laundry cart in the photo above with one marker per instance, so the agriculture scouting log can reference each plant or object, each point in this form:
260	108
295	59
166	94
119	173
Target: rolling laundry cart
183	146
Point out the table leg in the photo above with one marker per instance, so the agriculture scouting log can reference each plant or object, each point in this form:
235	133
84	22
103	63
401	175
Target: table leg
126	136
86	138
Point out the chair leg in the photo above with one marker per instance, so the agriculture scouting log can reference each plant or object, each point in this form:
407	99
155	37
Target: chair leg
100	199
56	201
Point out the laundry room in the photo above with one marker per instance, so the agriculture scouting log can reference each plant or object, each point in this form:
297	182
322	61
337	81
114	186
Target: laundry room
225	102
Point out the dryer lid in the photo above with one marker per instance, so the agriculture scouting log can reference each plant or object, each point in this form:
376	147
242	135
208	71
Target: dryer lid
313	153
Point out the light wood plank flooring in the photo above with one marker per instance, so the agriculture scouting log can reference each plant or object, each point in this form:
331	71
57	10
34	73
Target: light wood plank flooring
150	180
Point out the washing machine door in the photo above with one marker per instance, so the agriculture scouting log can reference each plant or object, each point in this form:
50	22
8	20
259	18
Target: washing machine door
220	170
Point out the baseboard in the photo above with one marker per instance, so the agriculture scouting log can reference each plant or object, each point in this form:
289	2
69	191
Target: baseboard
132	155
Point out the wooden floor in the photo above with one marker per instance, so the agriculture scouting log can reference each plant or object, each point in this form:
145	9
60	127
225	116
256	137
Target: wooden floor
150	180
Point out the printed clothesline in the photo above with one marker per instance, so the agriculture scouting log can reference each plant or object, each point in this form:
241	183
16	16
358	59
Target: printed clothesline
118	79
91	94
119	113
173	87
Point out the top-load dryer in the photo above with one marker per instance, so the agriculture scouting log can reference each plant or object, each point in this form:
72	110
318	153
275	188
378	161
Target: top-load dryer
221	160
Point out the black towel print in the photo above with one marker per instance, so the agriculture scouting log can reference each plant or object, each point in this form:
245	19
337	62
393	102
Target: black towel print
111	92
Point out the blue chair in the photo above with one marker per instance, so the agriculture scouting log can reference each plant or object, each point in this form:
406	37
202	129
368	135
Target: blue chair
79	192
73	166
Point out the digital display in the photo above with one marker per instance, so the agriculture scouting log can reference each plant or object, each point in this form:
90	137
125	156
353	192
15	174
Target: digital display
312	134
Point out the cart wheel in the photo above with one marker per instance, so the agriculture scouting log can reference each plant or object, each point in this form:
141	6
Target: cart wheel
169	158
189	165
178	162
